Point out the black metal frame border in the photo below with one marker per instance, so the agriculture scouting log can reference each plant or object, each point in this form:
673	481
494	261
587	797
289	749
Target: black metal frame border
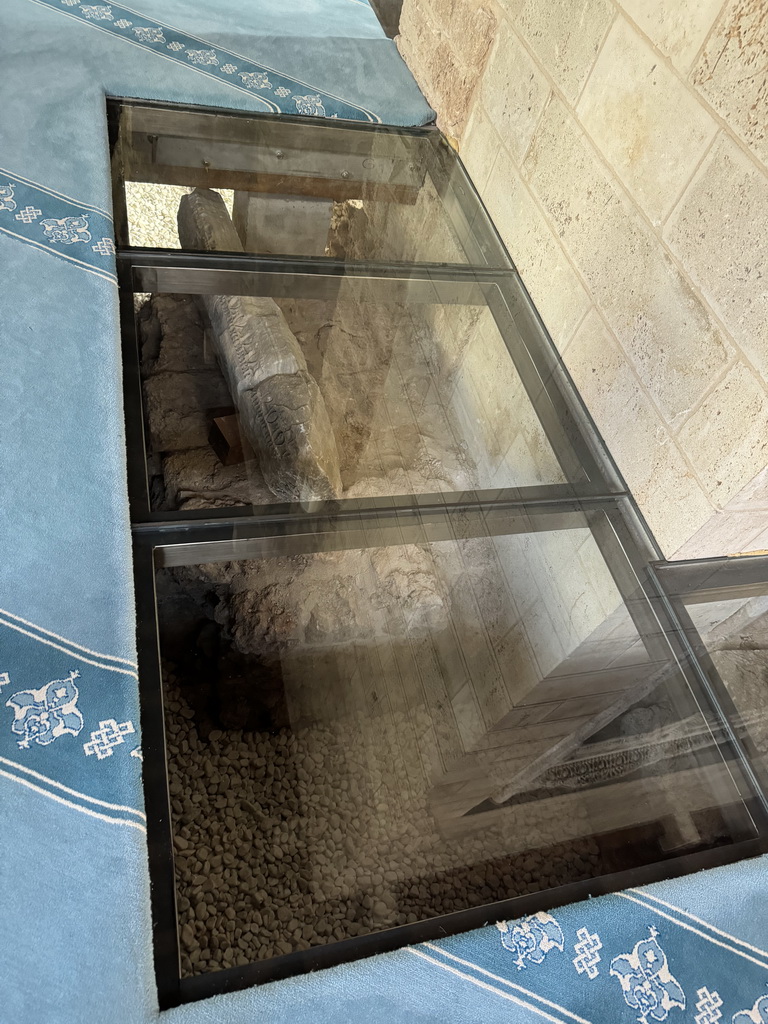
704	580
179	544
600	496
302	962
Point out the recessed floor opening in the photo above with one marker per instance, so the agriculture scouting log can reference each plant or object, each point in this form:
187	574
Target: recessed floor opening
405	663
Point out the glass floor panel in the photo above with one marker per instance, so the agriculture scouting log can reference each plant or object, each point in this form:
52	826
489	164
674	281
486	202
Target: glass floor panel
407	394
369	728
303	188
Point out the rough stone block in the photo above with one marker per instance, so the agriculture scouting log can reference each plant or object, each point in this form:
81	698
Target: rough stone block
671	497
472	29
513	92
359	338
565	36
667	332
282	412
177	407
645	121
480	146
726	439
719	231
196	478
446	45
731	71
447	84
554	285
678	29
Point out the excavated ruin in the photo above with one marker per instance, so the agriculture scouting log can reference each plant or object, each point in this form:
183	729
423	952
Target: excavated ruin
315	700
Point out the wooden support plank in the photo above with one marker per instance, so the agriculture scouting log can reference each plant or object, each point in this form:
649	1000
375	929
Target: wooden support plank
338	190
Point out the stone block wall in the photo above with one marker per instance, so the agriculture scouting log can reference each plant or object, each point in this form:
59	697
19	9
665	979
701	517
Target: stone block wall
620	147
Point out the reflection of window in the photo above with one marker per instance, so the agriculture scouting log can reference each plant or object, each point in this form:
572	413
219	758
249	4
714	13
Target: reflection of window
397	657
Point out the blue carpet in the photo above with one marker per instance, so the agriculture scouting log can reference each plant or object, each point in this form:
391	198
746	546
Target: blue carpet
75	905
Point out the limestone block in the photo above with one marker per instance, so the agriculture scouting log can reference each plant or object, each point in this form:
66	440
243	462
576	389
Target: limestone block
726	439
655	469
394	231
668	334
282	412
555	287
730	72
358	350
429	54
171	332
480	146
471	27
677	29
647	123
513	92
565	36
330	599
197	476
446	46
719	231
451	84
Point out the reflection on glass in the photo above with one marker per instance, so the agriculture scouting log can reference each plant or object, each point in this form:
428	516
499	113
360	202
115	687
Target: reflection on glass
419	672
396	398
389	728
732	623
304	190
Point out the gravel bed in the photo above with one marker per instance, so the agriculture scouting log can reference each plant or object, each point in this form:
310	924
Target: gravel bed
290	839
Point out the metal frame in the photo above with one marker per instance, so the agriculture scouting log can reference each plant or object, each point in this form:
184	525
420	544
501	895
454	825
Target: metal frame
699	581
596	498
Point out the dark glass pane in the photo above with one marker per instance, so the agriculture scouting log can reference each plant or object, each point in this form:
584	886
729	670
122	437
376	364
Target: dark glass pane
374	722
324	388
304	189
